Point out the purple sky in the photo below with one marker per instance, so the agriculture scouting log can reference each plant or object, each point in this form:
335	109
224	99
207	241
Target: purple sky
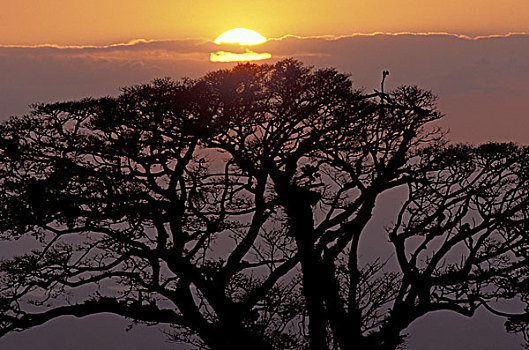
483	89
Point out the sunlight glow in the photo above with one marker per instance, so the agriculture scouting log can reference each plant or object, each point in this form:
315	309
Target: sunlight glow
241	36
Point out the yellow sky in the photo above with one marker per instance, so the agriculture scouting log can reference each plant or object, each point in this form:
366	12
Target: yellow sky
104	21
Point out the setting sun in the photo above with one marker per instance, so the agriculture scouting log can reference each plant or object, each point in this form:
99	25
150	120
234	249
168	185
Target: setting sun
241	36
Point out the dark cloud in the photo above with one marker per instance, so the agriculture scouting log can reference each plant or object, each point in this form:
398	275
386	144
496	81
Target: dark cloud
48	73
447	64
463	71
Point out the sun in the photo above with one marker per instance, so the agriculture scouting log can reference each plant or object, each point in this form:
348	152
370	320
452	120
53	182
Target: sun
241	36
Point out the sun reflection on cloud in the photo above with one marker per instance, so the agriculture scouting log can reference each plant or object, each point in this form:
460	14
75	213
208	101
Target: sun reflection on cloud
225	56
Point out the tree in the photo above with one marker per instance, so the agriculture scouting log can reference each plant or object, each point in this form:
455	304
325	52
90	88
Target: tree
231	208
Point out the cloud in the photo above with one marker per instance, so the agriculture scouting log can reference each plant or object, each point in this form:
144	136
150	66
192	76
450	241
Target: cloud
354	35
56	46
487	72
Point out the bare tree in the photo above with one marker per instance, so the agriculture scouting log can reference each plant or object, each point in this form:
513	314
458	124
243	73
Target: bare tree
231	208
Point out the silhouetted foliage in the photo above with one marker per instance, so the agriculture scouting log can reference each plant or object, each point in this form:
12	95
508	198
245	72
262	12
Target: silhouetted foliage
231	208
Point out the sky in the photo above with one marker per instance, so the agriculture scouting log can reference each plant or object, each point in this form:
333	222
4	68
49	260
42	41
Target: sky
472	54
104	21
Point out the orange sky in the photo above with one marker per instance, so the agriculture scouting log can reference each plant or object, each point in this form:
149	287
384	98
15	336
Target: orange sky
104	21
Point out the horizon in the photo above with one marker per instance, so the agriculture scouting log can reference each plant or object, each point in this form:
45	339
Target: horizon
330	37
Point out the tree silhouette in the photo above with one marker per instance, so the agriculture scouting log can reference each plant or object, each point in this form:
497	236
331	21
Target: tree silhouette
231	208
